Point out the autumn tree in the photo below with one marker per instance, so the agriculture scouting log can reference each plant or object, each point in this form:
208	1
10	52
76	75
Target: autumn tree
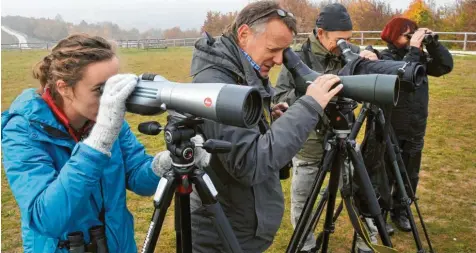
177	33
305	12
216	22
421	13
369	15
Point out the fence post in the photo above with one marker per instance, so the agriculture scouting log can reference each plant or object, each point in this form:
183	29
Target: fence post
465	41
361	38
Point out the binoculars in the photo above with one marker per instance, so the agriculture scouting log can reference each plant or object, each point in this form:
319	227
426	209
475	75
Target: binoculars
430	38
97	245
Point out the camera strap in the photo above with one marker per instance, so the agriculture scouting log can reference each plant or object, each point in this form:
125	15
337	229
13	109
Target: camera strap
360	227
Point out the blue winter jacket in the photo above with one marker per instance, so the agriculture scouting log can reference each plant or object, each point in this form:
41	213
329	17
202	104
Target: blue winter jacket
57	182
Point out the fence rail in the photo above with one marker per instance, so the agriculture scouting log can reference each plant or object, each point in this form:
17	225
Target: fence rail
464	40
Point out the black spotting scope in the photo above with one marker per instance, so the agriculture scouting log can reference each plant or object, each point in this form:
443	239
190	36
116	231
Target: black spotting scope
229	104
411	74
376	88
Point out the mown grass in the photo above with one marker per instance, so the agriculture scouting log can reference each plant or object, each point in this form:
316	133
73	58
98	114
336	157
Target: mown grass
446	192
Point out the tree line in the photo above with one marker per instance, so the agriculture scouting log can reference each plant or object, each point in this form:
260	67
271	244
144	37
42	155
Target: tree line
44	29
367	15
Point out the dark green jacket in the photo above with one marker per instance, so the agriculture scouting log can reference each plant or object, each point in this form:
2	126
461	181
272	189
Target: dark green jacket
323	61
251	196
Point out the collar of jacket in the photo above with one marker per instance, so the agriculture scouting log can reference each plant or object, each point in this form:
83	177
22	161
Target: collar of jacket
318	49
224	53
401	52
63	119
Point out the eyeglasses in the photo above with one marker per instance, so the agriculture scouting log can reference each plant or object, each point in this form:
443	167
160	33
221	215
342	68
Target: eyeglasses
282	13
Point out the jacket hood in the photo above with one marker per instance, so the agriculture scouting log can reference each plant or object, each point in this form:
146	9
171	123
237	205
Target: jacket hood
32	107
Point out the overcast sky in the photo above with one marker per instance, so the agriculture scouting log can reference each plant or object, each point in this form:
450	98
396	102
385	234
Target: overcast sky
140	14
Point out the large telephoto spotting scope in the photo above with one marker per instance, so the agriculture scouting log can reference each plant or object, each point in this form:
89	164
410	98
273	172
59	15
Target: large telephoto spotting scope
229	104
411	74
376	88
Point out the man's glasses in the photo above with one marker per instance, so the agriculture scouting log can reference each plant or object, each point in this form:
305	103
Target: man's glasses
280	12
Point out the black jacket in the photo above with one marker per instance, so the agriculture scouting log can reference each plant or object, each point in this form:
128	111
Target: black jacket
251	195
410	115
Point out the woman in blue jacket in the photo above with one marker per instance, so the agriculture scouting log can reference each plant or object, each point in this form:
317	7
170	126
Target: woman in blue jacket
68	154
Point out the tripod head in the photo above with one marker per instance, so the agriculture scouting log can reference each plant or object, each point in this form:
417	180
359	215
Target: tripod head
340	113
178	132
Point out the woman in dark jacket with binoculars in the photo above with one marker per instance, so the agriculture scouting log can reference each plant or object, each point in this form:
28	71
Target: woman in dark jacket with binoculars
405	43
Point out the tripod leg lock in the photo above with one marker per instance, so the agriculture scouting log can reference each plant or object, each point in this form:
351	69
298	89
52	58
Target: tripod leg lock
406	201
330	230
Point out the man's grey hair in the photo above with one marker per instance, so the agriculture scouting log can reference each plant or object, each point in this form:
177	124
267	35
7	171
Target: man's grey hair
253	11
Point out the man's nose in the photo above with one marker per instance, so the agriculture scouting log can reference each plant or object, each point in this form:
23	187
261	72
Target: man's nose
278	58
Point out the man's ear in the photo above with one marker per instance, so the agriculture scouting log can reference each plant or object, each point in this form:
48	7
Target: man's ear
320	32
244	34
64	89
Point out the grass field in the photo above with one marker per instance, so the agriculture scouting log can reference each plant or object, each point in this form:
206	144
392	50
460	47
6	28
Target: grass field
447	189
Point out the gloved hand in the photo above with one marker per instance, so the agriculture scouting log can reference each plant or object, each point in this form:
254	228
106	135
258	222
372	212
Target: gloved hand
201	156
112	109
163	162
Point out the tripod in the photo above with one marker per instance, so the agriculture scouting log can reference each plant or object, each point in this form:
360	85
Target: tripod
179	179
339	147
393	153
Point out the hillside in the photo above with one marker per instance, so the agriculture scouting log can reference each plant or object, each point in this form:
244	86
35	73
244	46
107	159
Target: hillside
8	39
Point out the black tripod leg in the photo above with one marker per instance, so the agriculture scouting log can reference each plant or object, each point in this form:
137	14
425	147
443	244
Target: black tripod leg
354	242
178	225
405	177
369	193
334	219
359	121
337	166
183	230
297	236
315	219
405	201
207	192
162	199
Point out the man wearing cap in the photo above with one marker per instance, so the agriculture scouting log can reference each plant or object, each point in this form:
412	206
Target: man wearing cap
321	53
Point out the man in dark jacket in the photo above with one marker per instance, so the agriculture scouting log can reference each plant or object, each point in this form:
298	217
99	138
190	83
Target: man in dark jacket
248	176
409	117
321	53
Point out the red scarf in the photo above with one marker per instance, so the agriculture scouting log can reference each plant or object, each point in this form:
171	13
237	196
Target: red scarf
59	114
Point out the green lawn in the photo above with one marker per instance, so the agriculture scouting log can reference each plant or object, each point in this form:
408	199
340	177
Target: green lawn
446	192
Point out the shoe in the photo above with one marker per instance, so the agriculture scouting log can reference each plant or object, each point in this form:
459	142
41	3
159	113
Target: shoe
390	229
313	250
400	219
361	247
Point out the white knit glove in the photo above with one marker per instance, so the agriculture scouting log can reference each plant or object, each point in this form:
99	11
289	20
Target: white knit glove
201	156
163	162
112	109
